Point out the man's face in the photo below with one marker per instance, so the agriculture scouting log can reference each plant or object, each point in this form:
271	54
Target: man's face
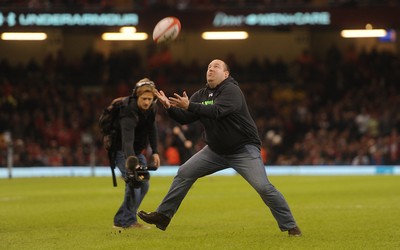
216	73
145	100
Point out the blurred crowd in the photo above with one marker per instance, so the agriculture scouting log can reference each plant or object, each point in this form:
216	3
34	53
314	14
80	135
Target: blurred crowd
134	5
340	109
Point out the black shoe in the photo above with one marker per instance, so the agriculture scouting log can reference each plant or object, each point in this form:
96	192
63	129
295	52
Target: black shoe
161	221
294	232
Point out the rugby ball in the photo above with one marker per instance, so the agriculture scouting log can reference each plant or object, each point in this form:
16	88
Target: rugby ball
166	30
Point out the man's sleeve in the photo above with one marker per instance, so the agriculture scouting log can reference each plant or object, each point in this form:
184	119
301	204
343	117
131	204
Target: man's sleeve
182	116
153	138
128	124
227	102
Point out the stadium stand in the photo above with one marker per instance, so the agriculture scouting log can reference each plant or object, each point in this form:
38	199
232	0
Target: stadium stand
340	110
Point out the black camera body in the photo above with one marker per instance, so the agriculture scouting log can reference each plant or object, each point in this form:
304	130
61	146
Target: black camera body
136	174
136	178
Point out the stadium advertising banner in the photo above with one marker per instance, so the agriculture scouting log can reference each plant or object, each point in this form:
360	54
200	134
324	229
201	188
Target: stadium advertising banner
12	19
219	19
200	20
222	19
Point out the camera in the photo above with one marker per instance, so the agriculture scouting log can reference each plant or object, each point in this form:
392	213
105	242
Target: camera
137	177
136	173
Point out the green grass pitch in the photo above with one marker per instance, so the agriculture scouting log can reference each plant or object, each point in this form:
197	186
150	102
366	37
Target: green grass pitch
219	212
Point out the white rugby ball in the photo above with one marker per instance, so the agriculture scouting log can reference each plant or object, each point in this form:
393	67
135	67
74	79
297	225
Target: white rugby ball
166	30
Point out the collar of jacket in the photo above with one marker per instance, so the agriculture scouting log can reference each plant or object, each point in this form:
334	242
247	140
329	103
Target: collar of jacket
229	79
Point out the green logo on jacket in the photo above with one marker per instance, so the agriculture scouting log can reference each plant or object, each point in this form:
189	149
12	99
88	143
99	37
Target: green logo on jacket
209	102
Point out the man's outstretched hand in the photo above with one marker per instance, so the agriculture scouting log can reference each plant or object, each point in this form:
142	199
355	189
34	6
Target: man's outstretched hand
180	101
163	99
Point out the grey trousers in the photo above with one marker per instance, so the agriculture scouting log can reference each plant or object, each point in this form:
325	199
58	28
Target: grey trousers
247	162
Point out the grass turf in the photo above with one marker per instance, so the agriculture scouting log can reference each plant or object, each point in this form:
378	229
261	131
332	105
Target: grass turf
219	212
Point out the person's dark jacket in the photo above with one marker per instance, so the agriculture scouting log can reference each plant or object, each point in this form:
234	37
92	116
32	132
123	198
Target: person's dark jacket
224	114
138	128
